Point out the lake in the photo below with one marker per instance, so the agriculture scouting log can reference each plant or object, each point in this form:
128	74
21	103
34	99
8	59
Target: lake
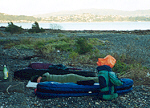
89	25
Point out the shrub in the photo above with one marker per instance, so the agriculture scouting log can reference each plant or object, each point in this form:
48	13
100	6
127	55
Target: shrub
39	43
26	41
66	39
13	28
95	41
120	67
73	55
61	35
63	46
47	49
83	46
55	28
35	28
138	73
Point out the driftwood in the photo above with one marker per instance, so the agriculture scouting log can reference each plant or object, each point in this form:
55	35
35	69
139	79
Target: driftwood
17	51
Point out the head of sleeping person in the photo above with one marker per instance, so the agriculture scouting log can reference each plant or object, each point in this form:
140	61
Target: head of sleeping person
38	79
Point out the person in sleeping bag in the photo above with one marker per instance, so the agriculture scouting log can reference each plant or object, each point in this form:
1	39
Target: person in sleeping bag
107	78
64	78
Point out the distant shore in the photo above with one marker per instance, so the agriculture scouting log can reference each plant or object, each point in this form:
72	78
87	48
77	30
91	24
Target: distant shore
84	26
64	22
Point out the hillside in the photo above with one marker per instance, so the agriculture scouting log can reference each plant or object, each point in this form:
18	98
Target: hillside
21	18
98	12
86	15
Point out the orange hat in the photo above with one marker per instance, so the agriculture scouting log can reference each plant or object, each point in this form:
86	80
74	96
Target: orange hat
108	60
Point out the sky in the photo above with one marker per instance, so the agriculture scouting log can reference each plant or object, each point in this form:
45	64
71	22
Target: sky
35	7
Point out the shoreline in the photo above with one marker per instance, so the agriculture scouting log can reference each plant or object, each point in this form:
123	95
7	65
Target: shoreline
80	26
142	32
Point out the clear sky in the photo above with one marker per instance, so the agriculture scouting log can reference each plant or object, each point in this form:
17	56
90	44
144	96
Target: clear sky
34	7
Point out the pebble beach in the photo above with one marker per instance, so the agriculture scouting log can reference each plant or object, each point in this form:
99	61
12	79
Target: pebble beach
136	45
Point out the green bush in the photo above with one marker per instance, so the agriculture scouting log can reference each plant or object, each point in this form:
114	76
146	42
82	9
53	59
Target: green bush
73	55
26	41
120	67
61	35
83	46
66	39
47	49
13	28
35	28
38	44
63	46
95	41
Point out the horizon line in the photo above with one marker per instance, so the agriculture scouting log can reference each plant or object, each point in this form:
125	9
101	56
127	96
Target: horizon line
76	10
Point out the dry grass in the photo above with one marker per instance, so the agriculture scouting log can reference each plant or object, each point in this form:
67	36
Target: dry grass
139	75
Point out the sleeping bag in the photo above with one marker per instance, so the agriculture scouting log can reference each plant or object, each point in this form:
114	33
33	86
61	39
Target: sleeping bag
41	68
55	89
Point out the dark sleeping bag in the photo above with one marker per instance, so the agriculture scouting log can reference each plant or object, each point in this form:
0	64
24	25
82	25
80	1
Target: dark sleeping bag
55	89
41	68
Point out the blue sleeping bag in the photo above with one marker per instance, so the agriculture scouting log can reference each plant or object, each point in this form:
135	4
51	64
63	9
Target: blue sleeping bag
55	89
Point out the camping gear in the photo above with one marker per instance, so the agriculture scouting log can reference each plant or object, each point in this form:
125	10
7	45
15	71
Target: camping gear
107	80
55	89
39	65
31	84
5	72
41	68
108	60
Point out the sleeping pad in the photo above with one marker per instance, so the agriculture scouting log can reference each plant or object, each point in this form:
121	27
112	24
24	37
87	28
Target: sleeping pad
50	89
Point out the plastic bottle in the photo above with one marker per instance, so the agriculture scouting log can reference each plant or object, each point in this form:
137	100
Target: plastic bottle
5	72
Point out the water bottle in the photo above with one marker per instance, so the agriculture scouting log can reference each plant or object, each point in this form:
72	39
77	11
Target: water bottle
5	72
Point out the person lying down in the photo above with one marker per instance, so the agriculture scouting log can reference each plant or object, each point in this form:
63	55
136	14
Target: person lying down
62	78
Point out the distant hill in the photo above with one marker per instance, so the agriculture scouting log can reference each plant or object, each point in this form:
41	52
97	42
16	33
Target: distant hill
85	15
98	12
20	18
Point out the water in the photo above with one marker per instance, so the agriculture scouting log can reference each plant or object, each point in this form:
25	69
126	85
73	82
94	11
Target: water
89	25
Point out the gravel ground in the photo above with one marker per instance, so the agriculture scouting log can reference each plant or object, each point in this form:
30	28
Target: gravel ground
139	97
135	45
